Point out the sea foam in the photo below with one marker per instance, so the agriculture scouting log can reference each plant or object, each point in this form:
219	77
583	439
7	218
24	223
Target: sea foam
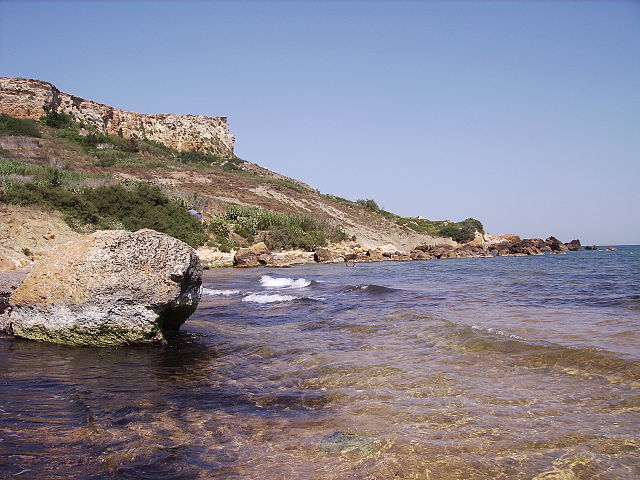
268	298
284	282
214	293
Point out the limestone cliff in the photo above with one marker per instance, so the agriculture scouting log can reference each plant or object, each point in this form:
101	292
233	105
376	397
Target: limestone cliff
27	98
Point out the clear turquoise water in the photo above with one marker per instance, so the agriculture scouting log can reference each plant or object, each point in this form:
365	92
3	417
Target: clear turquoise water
522	367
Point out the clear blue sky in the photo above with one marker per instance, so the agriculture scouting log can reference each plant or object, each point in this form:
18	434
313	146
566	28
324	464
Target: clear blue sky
523	114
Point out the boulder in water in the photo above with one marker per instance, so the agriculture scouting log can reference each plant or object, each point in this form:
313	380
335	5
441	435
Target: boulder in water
109	288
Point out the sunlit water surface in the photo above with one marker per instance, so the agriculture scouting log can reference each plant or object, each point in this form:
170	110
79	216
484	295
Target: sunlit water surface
514	368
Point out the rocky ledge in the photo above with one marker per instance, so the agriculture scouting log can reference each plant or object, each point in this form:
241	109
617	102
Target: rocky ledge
109	288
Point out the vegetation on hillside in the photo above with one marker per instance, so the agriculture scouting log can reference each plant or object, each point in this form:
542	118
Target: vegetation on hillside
141	205
461	232
277	230
12	126
106	207
37	183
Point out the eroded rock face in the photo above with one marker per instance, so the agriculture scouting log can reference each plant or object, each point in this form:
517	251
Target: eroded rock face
109	288
26	98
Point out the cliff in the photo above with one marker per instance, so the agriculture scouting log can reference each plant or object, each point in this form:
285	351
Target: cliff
27	98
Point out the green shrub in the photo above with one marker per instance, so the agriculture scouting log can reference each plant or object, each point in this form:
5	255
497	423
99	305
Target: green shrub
368	204
57	120
16	127
143	206
462	232
281	230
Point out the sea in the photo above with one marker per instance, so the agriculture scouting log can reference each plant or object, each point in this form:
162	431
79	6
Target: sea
470	368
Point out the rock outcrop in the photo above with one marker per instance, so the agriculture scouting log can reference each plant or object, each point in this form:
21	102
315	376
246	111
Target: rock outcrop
27	98
573	245
109	288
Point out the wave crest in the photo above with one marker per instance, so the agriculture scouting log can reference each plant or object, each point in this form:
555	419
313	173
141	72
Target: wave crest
268	298
284	282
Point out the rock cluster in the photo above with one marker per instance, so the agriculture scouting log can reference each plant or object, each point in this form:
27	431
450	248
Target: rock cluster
26	98
352	252
533	246
109	288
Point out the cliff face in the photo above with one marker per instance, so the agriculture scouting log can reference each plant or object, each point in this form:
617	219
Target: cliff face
26	98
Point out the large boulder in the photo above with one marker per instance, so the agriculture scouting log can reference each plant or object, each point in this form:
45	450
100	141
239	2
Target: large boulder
109	288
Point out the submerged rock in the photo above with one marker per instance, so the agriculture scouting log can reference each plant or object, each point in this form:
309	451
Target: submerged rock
341	443
109	288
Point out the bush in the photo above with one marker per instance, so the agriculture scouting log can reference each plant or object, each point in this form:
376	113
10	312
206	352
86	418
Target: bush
284	231
17	127
462	232
57	120
368	204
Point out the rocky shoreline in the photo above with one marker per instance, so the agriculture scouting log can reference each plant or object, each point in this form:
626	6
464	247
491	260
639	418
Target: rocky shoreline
85	292
483	246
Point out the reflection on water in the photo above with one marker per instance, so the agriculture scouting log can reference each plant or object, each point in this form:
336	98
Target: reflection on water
490	368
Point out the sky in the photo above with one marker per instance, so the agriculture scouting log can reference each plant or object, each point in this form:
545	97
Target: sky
522	114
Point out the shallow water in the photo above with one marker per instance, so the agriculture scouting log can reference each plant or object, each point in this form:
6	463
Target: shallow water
514	368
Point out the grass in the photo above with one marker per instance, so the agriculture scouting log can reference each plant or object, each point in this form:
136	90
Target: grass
39	172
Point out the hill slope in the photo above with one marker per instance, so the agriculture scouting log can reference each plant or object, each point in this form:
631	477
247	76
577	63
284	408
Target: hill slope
65	151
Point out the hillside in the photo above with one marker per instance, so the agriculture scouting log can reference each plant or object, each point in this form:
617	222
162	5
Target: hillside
60	154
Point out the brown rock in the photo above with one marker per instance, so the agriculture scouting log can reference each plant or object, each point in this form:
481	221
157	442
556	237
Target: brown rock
244	257
257	254
323	255
265	258
375	255
573	245
259	249
555	245
510	237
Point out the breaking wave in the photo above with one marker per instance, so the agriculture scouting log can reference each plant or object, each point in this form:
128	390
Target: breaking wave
268	298
284	282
